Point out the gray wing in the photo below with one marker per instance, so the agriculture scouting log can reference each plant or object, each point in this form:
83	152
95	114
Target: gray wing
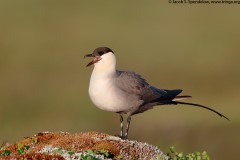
134	84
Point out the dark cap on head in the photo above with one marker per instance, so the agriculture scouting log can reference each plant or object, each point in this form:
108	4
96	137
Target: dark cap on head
101	50
97	53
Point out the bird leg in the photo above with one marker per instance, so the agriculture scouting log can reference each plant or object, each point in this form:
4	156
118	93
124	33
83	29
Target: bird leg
128	124
121	123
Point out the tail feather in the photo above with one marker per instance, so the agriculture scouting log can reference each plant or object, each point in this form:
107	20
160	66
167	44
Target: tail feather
172	98
198	105
179	98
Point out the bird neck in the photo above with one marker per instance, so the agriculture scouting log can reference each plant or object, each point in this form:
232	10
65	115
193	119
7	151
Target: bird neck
104	71
107	65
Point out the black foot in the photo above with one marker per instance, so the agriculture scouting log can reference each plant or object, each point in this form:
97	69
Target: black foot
122	137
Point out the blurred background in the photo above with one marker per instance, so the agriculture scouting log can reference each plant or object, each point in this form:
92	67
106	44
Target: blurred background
44	81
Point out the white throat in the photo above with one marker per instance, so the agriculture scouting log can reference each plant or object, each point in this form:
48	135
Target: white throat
102	89
107	64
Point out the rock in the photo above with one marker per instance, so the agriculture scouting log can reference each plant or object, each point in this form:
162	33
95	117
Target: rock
93	145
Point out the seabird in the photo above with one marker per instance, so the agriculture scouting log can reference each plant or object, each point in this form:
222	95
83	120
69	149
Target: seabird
125	92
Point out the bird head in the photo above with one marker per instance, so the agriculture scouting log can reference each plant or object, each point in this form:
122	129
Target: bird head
102	57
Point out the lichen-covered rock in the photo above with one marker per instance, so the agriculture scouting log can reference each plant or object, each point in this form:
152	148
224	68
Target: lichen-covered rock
89	145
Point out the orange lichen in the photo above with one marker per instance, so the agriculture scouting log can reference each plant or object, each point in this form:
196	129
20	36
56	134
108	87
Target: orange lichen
78	143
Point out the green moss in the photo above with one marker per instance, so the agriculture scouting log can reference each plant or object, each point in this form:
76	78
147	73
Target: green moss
90	154
174	155
5	153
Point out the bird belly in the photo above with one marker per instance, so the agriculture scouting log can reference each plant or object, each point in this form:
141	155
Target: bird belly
106	96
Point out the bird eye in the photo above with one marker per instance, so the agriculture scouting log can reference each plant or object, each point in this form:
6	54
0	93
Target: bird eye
101	53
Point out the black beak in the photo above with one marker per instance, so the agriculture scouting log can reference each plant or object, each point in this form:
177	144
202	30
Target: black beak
89	55
95	60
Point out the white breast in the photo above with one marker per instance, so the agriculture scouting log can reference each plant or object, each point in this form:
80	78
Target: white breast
105	95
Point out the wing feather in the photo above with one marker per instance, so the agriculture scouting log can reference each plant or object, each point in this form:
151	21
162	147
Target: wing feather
133	83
